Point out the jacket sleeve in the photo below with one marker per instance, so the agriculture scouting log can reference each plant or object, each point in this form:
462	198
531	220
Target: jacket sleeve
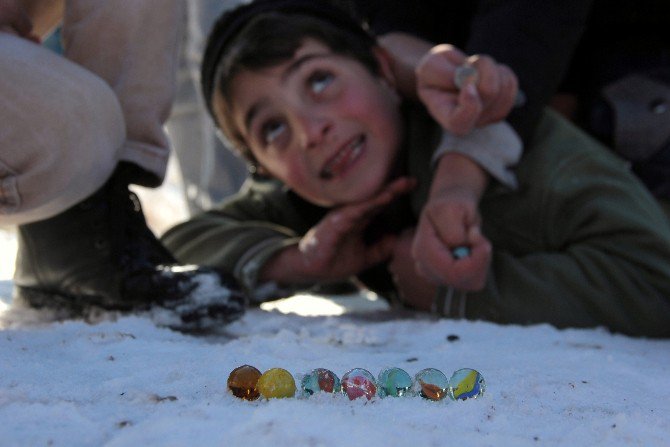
240	236
582	244
496	148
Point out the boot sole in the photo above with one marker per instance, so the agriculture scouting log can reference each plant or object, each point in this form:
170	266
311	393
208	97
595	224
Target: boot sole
39	299
71	307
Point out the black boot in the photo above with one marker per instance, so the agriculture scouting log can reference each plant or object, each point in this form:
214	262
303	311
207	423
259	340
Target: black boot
101	254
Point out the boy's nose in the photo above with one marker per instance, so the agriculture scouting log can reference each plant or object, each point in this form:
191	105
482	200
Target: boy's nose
314	128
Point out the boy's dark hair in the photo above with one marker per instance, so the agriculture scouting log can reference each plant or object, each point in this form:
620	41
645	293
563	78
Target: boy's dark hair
265	33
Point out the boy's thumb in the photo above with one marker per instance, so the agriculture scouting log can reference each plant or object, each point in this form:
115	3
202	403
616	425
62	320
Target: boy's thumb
380	251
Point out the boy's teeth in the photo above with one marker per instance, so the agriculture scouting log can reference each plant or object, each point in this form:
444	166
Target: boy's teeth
350	152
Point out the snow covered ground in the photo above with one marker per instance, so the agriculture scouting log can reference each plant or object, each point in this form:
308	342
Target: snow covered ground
126	382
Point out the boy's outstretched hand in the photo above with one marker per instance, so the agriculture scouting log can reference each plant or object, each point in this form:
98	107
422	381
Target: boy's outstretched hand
335	249
483	99
448	221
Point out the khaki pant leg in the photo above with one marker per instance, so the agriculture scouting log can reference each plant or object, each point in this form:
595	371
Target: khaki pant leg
134	46
61	132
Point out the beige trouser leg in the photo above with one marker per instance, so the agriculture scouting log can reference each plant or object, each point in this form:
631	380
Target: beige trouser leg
61	131
134	46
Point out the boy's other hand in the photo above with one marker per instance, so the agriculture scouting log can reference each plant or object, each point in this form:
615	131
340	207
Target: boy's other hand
335	248
449	220
15	20
413	288
484	100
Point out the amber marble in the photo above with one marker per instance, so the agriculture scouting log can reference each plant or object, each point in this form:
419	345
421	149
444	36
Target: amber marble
243	382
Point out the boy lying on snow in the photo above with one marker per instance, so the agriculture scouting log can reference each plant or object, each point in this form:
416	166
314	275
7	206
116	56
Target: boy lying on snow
345	186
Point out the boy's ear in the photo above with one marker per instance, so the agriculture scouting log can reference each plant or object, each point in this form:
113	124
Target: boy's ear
386	65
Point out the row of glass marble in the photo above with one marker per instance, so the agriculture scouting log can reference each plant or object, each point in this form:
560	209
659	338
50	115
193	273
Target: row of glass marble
247	382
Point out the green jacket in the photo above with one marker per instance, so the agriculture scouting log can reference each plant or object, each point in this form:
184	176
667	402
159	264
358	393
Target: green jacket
580	243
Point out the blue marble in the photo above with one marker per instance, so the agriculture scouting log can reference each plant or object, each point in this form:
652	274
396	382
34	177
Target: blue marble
466	383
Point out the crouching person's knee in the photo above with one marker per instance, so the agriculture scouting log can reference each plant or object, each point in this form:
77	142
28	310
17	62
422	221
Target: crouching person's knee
61	133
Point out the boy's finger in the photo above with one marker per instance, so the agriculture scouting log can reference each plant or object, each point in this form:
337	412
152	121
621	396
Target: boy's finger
451	229
434	264
355	217
470	273
488	84
436	73
433	259
350	218
457	114
450	53
380	251
502	104
371	207
436	69
467	111
343	221
440	104
401	185
472	276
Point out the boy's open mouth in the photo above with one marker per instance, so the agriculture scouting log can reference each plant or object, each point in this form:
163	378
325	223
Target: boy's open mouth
339	162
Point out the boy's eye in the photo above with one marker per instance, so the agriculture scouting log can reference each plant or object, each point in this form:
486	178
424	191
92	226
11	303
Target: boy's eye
271	130
319	80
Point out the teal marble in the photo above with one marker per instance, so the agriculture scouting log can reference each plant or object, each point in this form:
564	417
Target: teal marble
460	252
394	382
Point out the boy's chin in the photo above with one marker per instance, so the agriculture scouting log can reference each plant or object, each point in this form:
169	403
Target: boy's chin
335	202
349	194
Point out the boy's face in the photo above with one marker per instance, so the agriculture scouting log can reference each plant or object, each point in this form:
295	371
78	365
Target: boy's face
321	123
